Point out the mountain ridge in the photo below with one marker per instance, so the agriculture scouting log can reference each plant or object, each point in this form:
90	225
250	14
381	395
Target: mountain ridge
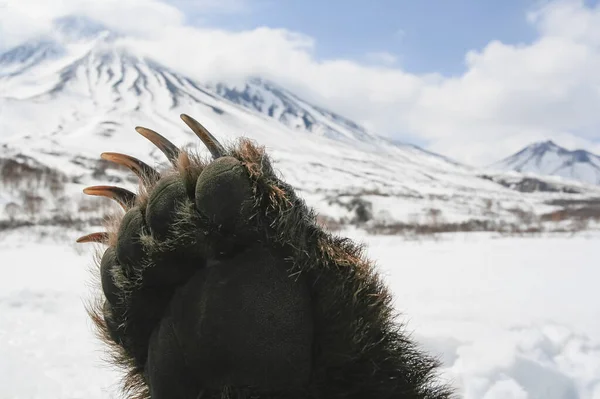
61	111
550	159
101	45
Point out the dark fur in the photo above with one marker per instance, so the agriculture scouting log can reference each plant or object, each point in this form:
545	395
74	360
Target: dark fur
361	350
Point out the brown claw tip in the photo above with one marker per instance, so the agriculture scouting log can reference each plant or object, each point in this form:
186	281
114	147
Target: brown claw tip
213	145
169	149
144	171
124	197
101	237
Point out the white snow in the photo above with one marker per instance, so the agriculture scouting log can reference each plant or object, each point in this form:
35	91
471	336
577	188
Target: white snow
510	318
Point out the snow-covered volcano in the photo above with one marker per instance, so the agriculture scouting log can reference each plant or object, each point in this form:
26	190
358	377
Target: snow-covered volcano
66	98
548	158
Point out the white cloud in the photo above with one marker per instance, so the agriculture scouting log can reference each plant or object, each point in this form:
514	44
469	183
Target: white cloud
382	58
509	95
213	6
23	19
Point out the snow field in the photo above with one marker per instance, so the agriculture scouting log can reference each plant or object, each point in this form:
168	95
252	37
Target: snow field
509	318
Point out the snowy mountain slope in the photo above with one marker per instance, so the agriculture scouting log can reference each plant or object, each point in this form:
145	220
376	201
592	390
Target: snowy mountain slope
21	58
282	105
547	158
60	112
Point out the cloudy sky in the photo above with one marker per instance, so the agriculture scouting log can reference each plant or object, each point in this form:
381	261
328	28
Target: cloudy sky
474	80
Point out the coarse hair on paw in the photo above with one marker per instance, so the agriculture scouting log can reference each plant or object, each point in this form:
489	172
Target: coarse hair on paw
218	283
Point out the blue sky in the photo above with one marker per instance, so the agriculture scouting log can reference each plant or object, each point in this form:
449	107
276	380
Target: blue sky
425	35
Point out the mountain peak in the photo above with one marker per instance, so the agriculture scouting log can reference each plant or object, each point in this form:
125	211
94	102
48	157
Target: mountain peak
549	158
111	76
547	145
